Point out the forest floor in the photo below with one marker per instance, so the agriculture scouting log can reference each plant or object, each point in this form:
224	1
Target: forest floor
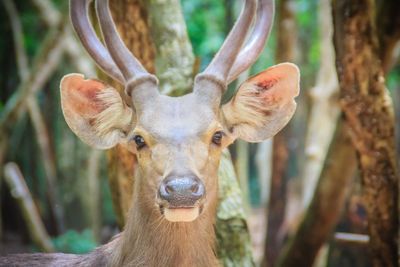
13	243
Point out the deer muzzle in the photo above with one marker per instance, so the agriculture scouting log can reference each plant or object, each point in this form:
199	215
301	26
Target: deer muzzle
181	197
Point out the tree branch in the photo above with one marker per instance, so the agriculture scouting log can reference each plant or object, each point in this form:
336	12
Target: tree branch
46	64
22	59
20	192
48	13
51	16
36	116
43	139
351	238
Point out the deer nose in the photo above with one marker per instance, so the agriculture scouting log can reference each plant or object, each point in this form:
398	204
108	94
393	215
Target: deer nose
181	191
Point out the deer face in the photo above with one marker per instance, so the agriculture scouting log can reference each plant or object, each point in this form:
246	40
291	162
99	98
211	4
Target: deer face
177	141
178	145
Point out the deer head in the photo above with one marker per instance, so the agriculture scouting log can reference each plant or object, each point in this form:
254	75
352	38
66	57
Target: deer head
178	141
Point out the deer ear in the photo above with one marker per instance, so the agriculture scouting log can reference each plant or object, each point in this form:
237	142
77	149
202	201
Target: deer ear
263	104
95	111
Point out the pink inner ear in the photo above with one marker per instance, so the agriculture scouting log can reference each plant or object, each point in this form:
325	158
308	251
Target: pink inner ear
80	96
270	93
277	84
266	85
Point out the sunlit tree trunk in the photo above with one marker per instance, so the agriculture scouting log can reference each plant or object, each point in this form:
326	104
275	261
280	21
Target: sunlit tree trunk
323	117
369	112
175	58
324	109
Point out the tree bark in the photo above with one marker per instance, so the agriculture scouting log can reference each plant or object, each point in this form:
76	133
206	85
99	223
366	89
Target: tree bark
368	109
175	60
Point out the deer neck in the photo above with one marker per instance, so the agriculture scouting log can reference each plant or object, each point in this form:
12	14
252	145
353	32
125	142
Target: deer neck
150	240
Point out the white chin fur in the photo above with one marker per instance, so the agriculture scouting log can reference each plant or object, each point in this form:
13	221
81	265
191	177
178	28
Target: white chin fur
181	215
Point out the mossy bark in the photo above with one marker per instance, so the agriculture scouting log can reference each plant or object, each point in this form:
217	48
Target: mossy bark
175	60
369	112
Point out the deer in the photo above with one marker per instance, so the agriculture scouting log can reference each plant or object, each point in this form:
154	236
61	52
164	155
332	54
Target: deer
177	141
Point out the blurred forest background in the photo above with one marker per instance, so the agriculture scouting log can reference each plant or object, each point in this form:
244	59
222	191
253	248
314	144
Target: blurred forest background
302	189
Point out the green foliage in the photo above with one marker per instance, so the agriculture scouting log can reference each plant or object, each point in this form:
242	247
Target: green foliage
205	20
393	79
33	28
308	39
74	242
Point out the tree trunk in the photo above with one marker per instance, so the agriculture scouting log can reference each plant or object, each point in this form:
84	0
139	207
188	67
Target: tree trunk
286	40
325	207
175	58
324	110
368	109
323	116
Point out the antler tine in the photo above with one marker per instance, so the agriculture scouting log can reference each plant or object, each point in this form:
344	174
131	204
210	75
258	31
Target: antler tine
79	13
131	68
224	59
255	44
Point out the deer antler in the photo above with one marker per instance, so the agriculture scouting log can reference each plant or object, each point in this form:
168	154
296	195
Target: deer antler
231	60
119	63
224	59
131	68
116	60
256	42
79	12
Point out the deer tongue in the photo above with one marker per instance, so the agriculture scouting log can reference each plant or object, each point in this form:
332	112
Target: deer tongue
181	214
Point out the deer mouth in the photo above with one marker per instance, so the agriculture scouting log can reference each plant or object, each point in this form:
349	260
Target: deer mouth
181	214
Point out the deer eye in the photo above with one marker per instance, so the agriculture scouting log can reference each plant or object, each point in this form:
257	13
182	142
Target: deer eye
139	140
217	137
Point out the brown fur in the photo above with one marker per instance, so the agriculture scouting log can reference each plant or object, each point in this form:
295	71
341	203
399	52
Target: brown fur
150	240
